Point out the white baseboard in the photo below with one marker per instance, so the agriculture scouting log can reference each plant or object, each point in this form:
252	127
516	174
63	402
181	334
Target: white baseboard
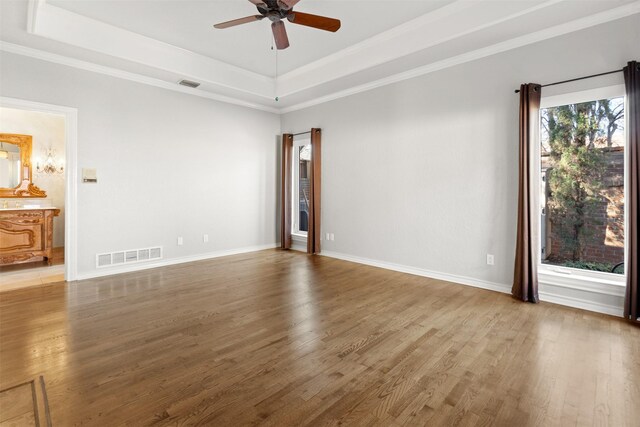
468	281
300	247
581	303
571	301
298	243
600	294
172	261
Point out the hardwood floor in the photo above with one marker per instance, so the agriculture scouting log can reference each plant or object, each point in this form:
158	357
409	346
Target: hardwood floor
25	405
281	338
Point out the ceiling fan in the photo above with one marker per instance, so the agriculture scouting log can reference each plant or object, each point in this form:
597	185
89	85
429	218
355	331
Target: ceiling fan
278	10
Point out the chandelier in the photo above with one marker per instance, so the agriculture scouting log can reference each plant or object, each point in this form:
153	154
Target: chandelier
50	165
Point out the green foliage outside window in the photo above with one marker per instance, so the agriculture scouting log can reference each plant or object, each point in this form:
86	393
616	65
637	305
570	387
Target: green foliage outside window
577	138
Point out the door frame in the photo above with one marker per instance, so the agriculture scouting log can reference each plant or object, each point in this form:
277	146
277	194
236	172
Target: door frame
71	175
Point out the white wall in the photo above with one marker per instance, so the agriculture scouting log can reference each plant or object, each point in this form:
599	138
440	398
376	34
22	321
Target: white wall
168	164
423	173
47	131
419	175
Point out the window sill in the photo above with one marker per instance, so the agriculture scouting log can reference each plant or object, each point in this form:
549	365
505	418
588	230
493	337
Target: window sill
299	237
594	282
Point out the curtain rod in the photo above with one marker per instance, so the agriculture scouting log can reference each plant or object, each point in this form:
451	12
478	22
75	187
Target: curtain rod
579	78
303	133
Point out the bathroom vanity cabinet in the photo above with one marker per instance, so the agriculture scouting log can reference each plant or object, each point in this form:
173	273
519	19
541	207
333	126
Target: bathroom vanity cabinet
26	234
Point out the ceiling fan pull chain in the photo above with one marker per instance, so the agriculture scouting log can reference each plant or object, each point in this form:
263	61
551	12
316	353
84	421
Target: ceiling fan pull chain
276	78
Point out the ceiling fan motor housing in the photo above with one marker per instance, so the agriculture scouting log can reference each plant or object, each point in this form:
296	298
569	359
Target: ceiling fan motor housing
276	15
273	6
274	10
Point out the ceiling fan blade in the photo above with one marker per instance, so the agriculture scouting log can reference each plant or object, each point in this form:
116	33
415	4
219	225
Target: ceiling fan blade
259	3
280	35
235	22
287	4
315	21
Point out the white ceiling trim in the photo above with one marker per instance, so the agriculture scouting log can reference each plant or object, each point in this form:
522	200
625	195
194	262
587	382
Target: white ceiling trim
394	33
558	30
32	14
134	77
61	25
450	22
244	78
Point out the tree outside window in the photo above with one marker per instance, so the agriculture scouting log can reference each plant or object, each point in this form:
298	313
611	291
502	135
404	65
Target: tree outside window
582	150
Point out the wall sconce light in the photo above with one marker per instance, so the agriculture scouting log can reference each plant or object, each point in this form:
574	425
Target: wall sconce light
50	165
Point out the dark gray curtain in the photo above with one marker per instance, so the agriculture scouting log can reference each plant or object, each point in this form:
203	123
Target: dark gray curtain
525	275
285	195
632	84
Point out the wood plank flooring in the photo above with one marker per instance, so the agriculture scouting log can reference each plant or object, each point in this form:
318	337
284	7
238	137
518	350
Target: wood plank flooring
25	405
280	338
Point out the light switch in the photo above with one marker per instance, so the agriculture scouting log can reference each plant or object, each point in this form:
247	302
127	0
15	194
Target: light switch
89	175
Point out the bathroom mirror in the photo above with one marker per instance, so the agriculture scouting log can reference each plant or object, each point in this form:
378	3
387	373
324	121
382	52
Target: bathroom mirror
15	167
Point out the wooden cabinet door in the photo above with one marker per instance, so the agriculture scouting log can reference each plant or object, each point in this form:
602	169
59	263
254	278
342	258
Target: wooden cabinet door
22	232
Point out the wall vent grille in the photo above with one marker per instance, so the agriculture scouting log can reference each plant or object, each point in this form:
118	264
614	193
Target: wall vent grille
130	256
189	83
103	260
143	254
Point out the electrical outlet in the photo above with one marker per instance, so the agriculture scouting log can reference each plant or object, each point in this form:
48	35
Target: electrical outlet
331	237
490	260
205	238
180	241
328	236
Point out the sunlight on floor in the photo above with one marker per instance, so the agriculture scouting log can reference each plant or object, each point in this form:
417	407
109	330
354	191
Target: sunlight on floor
32	277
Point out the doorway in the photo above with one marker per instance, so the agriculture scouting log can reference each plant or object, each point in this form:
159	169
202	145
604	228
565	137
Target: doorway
53	170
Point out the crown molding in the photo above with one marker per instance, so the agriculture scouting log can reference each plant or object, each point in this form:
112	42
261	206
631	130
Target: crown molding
114	72
548	33
38	9
32	14
448	23
61	25
383	37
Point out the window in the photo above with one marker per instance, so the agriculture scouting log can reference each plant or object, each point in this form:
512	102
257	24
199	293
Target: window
582	182
301	184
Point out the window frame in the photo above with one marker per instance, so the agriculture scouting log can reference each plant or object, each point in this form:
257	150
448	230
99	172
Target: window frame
296	233
567	276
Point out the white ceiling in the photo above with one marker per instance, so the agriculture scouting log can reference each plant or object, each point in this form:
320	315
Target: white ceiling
159	42
188	24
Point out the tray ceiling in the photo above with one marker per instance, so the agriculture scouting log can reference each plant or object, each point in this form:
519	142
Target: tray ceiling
188	24
162	42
